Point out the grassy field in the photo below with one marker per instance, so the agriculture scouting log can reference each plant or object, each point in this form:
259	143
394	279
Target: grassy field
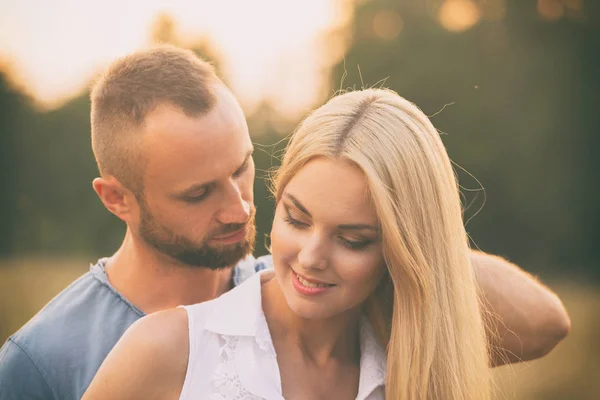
570	372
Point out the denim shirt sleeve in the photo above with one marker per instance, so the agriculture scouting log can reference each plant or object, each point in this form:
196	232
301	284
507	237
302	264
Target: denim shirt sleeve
20	378
264	262
250	266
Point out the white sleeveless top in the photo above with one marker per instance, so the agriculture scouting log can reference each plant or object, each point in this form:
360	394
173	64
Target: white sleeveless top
232	355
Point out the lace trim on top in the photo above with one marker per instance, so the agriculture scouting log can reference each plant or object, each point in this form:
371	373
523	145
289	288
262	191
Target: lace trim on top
225	379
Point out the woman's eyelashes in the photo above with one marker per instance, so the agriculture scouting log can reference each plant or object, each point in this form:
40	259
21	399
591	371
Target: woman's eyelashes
355	245
348	243
293	221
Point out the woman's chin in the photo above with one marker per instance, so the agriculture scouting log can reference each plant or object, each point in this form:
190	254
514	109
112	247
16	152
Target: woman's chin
308	309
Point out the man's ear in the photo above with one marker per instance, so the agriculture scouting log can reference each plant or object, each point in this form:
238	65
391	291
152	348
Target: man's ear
116	198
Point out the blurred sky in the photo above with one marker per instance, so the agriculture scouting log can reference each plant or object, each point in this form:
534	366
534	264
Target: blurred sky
269	48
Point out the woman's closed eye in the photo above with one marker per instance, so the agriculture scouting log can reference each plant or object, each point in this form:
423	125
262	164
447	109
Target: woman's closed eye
352	244
355	244
296	223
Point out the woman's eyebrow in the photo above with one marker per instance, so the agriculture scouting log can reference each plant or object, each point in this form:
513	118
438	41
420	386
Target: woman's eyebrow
297	203
358	227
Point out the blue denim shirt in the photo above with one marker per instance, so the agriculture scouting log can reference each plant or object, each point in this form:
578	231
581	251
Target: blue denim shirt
57	353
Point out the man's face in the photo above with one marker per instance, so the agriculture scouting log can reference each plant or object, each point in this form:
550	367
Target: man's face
197	206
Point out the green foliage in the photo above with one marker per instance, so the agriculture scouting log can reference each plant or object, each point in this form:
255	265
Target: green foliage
7	178
520	98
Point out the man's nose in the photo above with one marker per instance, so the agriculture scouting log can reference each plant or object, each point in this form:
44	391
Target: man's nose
235	210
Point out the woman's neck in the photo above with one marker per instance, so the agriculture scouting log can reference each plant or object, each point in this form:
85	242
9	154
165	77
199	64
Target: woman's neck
320	341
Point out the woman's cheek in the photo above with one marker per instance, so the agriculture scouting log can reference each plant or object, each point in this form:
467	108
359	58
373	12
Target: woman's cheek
362	269
282	241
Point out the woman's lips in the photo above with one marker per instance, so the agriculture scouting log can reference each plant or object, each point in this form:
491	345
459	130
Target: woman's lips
307	286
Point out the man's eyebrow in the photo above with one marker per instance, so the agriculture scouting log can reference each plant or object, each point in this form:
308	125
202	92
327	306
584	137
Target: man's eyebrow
297	203
248	155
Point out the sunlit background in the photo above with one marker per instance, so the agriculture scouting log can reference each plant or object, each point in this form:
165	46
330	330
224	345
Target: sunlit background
56	47
511	84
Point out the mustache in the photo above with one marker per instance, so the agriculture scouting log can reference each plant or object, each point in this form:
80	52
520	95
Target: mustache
226	229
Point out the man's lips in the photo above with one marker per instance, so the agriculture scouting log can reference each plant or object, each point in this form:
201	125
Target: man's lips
232	237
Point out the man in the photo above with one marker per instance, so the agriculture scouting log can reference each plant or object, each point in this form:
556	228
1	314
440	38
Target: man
175	160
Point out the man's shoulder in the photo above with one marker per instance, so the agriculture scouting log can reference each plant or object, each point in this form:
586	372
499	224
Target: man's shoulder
69	313
56	312
70	337
250	266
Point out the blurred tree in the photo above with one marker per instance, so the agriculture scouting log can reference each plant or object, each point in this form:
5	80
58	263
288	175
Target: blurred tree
57	166
9	101
269	142
14	111
587	120
520	93
164	30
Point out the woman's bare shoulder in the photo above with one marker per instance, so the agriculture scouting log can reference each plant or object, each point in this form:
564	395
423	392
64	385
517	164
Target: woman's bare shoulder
149	361
162	333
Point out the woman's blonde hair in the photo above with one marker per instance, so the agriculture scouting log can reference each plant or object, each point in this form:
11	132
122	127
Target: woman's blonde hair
426	310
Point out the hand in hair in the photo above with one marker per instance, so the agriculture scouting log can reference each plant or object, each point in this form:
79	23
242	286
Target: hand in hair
524	319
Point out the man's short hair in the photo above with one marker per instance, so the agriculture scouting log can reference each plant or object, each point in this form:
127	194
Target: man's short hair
129	90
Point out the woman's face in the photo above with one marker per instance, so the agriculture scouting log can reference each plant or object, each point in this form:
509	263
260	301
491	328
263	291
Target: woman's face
325	240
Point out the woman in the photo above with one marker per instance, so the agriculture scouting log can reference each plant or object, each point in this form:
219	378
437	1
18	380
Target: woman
372	293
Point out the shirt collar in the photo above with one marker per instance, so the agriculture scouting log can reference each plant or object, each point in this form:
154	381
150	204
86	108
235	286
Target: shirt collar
372	361
98	271
237	312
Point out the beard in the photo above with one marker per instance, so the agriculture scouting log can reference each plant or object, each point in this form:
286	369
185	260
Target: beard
194	254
